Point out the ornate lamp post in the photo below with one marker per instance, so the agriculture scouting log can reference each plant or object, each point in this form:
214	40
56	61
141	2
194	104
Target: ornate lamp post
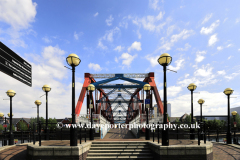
201	101
11	93
73	61
191	87
91	88
46	88
38	103
147	88
228	92
164	60
234	113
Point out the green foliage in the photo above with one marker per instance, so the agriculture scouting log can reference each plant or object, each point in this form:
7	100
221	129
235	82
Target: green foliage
52	126
13	128
168	118
50	120
177	120
237	119
1	127
22	126
215	124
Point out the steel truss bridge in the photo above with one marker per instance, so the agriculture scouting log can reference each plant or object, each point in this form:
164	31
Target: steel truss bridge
118	103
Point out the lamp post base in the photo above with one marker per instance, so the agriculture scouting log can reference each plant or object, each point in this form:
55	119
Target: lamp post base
165	138
192	136
73	137
91	134
47	134
229	138
11	139
147	134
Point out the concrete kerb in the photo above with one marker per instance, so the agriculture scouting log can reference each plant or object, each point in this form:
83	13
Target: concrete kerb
9	146
53	151
174	150
232	145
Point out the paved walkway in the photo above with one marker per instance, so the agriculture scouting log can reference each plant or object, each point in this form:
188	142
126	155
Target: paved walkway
220	151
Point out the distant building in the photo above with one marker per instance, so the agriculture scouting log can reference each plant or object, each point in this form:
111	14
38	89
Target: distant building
235	109
212	117
155	110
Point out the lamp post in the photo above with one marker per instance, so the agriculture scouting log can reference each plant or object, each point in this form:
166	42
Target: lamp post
165	59
234	113
38	103
11	93
46	88
91	88
147	88
191	87
73	61
228	92
201	101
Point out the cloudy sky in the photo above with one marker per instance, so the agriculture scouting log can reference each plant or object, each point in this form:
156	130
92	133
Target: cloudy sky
123	37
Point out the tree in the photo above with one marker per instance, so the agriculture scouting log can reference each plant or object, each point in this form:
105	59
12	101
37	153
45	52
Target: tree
168	118
1	127
13	128
237	119
177	120
52	126
22	126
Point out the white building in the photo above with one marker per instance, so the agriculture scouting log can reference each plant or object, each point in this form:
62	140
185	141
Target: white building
156	111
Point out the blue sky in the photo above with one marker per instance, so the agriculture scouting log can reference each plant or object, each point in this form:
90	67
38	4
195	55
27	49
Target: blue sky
123	37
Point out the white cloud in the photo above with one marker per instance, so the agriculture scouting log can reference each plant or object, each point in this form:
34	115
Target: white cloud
154	4
136	45
199	56
230	57
139	34
95	67
100	45
210	29
116	59
239	49
182	35
179	64
173	90
109	20
212	40
221	72
153	60
219	48
225	20
46	39
205	71
231	76
77	35
207	18
229	45
19	14
187	46
182	7
149	22
95	15
119	48
186	75
108	37
237	20
127	58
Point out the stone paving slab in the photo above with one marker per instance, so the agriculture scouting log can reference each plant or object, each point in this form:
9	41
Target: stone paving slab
220	151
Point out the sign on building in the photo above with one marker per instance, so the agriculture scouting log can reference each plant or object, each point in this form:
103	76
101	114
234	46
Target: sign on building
15	66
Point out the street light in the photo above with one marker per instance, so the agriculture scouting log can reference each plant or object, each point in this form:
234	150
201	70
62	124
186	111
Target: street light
38	103
91	88
234	113
191	87
46	88
11	93
164	60
228	92
201	101
147	88
73	61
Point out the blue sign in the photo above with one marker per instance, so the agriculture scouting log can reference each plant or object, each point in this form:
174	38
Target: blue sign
147	101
